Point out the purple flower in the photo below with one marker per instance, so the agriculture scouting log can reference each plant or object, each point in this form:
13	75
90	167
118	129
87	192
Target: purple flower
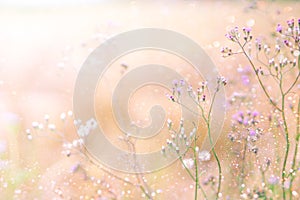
247	30
175	82
229	36
246	121
291	23
182	82
178	90
255	113
241	114
75	168
273	180
245	80
286	42
279	28
252	133
258	43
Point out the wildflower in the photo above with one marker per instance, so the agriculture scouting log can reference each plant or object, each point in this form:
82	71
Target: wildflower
227	51
188	163
172	98
222	80
233	34
229	36
169	123
70	113
255	113
271	62
178	90
182	82
245	79
279	28
247	30
77	122
189	89
51	127
287	43
277	48
75	168
46	117
83	130
258	44
211	179
163	149
252	132
63	116
92	123
175	82
204	156
35	125
291	23
273	180
254	150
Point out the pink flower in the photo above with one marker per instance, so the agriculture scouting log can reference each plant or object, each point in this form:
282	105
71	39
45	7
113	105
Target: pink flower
279	28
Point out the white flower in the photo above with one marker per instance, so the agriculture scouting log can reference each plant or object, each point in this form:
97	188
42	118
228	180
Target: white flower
92	123
46	117
41	126
63	116
189	163
204	156
83	131
77	122
169	123
51	127
70	113
35	124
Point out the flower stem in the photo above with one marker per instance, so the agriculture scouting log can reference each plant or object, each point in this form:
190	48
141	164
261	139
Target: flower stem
243	166
211	142
296	148
193	178
281	110
287	140
196	171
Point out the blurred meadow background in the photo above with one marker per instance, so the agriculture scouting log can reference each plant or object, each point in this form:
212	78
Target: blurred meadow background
43	45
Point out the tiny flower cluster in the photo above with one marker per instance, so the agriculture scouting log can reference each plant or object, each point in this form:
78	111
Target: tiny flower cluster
291	36
234	34
244	128
42	127
84	130
72	147
179	140
177	87
180	143
247	118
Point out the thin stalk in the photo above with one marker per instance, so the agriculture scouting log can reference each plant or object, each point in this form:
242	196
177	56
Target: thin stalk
207	122
258	77
211	143
193	178
243	166
282	111
196	171
296	148
285	127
